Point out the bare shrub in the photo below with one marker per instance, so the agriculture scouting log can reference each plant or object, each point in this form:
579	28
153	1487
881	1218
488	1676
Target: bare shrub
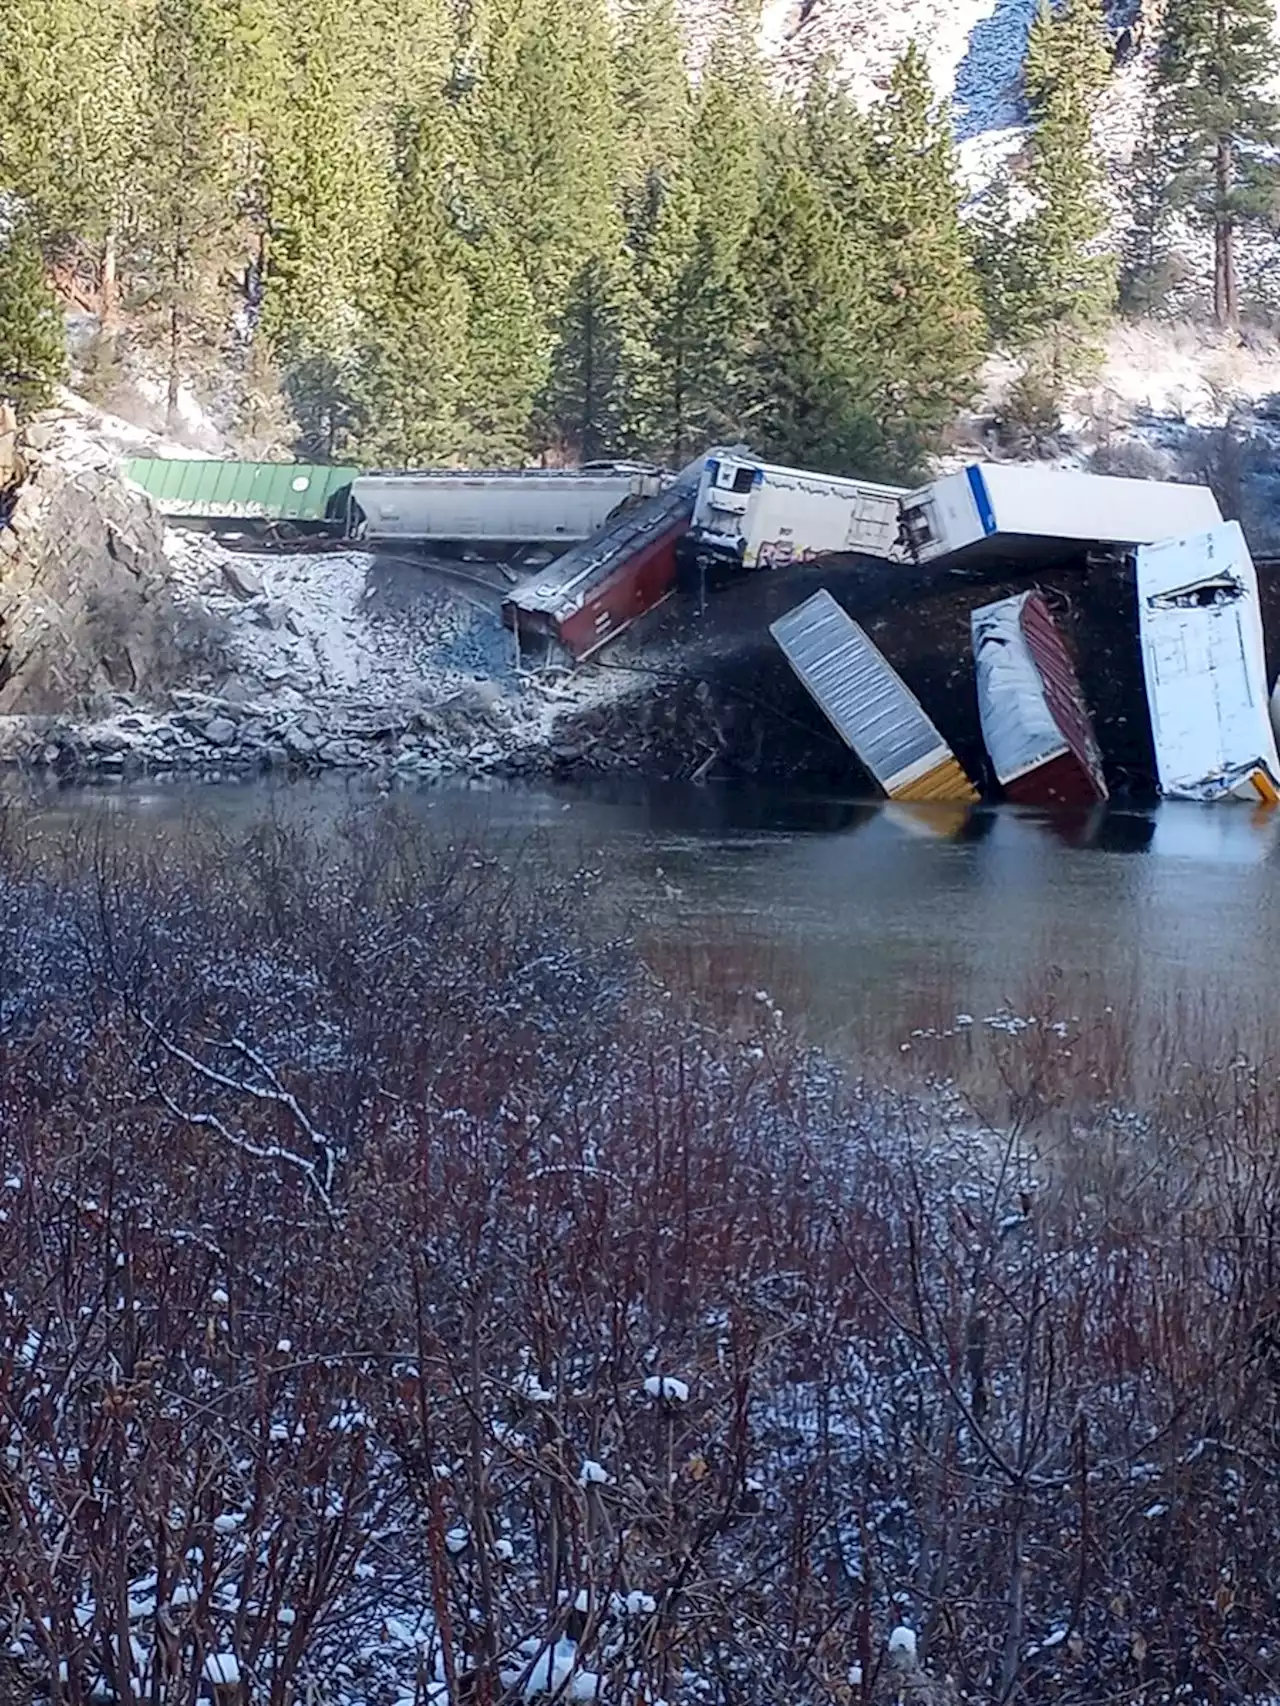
407	1297
1129	459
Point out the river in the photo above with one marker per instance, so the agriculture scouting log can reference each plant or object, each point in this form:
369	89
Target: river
867	922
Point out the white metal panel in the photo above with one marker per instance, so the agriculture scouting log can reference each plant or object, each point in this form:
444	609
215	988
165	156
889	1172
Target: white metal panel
1018	728
862	695
769	515
1205	664
1067	504
1009	501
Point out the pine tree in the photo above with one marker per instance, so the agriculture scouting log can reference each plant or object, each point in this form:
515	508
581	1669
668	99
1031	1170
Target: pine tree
926	329
835	141
32	352
545	143
329	191
185	216
412	358
654	93
70	80
1052	285
1216	123
803	377
726	169
658	386
507	351
581	406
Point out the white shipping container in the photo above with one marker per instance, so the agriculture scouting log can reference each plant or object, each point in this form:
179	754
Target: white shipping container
1205	666
533	506
868	704
1012	509
765	516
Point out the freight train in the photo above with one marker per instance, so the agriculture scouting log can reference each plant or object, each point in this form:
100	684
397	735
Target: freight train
471	509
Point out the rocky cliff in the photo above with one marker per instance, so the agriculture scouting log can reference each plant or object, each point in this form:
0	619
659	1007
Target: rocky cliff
86	607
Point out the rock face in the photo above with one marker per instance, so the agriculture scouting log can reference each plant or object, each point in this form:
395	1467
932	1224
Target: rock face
85	605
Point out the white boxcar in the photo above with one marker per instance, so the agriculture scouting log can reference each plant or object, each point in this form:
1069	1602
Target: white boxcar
868	703
1202	655
766	516
533	506
1018	510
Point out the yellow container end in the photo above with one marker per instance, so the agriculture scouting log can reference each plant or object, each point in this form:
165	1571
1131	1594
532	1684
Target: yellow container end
946	781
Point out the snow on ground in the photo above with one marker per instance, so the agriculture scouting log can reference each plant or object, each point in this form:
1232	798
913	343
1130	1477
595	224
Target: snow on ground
103	432
339	626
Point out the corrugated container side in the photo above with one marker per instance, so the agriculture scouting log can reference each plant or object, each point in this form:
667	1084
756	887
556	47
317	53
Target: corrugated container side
868	703
211	488
1062	689
1032	712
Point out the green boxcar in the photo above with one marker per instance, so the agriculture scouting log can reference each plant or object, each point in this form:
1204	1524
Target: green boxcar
244	491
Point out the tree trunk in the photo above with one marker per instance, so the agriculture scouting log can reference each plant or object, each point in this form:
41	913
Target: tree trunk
1226	293
175	368
109	295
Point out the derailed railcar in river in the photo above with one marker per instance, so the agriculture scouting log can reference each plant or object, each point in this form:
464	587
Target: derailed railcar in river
868	704
1204	662
1035	724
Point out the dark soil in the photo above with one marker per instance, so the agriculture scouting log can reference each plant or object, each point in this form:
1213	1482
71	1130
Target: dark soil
725	703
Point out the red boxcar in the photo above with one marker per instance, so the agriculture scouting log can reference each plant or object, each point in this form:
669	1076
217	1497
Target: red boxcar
1034	720
595	590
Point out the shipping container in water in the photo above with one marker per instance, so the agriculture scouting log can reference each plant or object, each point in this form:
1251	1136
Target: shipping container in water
1200	623
764	516
868	703
1021	512
1034	720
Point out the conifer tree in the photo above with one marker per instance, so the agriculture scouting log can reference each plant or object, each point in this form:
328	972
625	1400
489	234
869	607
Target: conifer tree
412	358
654	94
545	137
1052	285
186	212
70	83
926	327
726	169
1217	125
803	380
329	192
835	141
507	353
581	406
658	386
32	351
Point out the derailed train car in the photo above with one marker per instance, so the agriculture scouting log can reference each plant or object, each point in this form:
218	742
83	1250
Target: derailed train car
1035	724
868	704
593	592
1203	658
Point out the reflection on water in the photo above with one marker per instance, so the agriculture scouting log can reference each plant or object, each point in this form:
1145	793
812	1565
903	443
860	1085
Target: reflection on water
869	915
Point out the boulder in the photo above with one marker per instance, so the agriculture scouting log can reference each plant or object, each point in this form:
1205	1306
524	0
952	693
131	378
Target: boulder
298	743
220	731
243	581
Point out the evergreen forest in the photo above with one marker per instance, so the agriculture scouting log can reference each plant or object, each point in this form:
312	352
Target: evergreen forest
489	231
